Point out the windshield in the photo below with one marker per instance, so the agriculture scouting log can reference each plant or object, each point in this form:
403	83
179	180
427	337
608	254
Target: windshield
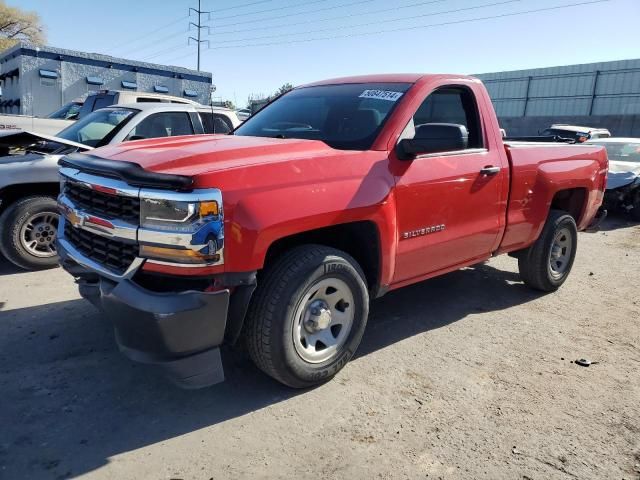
68	111
97	128
347	116
621	152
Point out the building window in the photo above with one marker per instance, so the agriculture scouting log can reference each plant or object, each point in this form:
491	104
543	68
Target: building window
48	74
190	93
161	89
95	81
130	85
48	78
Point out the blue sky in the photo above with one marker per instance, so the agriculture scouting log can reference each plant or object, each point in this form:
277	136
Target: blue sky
257	45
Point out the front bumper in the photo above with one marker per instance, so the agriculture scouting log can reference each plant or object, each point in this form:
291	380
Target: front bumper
181	332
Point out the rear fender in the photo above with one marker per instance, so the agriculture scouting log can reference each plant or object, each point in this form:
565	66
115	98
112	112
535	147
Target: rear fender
534	192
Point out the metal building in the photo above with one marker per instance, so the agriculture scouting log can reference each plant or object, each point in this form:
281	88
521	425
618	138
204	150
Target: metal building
39	80
605	94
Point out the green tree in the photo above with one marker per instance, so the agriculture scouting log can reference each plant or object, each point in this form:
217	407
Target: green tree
19	25
283	89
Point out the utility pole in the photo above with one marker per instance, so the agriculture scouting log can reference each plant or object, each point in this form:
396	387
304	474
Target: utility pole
199	27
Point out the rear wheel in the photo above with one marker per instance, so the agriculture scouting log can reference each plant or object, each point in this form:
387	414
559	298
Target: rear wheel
28	231
307	316
547	263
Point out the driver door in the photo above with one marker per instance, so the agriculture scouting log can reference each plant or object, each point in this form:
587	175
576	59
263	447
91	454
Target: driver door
448	210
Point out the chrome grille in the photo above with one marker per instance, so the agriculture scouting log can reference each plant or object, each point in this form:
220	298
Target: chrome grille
113	254
102	204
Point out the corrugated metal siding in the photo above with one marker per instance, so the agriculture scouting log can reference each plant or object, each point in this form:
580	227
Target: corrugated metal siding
605	88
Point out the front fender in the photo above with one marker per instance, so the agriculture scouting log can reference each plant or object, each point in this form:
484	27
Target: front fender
28	168
260	218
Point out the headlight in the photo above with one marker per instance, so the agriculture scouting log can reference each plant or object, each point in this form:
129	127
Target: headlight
182	230
176	215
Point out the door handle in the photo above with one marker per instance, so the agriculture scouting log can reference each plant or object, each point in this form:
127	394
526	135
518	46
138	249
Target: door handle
490	170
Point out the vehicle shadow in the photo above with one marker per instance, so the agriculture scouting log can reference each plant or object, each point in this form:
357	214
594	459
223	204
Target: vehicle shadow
8	268
616	221
80	402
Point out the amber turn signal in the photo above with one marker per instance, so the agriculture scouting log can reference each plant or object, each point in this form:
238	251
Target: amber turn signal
209	208
176	255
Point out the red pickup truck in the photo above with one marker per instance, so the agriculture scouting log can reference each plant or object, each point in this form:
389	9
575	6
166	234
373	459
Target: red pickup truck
281	232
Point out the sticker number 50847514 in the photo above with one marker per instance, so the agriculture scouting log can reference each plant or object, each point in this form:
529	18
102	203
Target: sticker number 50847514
381	95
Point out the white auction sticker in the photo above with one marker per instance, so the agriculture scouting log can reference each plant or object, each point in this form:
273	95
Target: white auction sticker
381	95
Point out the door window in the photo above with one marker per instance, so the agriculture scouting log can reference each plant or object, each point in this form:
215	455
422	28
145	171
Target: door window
166	124
215	123
450	105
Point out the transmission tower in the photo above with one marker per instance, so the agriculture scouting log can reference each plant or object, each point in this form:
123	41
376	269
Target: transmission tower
199	28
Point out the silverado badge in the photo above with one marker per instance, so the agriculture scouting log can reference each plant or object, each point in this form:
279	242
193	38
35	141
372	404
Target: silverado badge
422	231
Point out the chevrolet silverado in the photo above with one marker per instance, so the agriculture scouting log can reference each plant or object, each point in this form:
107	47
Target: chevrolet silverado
281	232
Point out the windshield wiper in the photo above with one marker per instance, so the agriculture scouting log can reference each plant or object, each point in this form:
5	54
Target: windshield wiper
280	135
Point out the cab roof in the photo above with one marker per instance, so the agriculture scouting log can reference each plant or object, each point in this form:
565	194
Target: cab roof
388	78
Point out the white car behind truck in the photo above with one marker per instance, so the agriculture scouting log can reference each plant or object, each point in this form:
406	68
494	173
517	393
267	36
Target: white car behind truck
29	166
77	109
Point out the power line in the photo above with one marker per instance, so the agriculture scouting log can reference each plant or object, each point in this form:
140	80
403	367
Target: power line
163	40
173	22
339	17
432	25
286	7
264	19
179	57
145	35
368	24
241	6
168	50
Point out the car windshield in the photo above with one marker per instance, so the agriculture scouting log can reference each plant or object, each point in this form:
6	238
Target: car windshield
68	111
346	117
621	151
97	128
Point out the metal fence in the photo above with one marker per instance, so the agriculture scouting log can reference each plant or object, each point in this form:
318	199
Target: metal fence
598	89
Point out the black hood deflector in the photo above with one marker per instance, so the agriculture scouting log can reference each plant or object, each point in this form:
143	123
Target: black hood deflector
131	173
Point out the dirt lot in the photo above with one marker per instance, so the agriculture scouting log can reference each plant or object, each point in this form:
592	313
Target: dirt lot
465	376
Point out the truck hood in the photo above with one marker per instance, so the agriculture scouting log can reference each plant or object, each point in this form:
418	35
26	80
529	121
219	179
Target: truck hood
197	154
23	138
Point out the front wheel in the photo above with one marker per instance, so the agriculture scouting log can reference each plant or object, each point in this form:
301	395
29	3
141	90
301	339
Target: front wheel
547	263
28	231
307	316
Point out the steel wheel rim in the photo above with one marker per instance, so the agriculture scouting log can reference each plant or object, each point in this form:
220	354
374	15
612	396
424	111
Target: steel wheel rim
323	320
38	234
560	253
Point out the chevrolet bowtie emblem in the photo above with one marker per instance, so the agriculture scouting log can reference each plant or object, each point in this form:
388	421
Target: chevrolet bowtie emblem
75	219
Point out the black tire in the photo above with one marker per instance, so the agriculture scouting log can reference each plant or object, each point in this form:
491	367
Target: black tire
535	262
272	316
12	221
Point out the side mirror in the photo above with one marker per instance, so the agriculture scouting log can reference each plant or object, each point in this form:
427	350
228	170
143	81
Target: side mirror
135	137
434	138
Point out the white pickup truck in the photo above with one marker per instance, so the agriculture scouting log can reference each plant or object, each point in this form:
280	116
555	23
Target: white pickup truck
29	166
72	111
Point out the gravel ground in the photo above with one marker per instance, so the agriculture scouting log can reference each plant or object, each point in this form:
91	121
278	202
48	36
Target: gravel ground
466	376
